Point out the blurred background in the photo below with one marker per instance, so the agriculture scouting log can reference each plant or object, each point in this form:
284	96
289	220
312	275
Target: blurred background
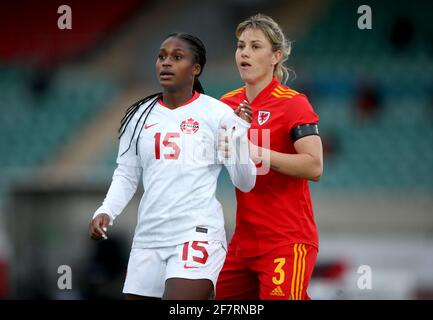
63	93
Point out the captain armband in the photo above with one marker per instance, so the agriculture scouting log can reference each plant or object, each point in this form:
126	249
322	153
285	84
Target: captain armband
303	131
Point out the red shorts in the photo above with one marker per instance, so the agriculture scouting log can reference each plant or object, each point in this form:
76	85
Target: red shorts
281	274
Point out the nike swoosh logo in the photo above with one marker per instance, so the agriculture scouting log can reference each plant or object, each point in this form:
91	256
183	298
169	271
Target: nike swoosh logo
189	267
151	125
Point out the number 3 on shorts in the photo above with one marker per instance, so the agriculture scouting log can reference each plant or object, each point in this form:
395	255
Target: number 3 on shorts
280	271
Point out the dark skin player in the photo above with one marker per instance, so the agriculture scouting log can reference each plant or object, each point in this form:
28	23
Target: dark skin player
176	71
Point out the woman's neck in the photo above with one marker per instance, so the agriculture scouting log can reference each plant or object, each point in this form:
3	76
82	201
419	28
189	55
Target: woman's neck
173	99
254	88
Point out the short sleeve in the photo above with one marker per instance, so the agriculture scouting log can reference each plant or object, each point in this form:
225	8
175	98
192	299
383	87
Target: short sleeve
130	157
300	112
232	101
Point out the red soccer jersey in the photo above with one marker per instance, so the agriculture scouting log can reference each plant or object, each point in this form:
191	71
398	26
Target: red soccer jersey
278	210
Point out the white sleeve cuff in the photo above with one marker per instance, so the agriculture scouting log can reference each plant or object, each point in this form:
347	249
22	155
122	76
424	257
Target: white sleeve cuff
102	210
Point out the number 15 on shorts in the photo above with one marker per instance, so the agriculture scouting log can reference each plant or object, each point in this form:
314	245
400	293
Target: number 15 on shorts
194	251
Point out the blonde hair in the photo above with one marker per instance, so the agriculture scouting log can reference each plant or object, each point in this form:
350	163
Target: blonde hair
276	37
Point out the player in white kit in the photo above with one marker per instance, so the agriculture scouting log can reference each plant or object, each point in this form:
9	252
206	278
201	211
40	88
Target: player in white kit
171	140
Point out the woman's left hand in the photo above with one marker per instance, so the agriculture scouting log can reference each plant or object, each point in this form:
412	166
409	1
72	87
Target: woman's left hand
245	112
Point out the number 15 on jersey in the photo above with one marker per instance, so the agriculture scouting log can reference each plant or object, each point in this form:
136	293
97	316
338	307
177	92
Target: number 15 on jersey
169	141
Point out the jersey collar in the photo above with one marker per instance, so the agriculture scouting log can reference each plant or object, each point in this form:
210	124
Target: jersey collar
266	91
194	97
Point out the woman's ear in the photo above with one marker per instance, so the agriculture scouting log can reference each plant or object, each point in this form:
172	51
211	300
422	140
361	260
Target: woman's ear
276	57
196	69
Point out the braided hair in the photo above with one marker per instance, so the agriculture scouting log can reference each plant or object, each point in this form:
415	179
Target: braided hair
199	52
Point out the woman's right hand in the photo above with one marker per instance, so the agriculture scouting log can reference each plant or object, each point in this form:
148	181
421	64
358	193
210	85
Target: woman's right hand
98	226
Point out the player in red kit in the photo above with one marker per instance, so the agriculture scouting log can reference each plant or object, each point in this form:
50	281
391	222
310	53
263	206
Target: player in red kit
275	244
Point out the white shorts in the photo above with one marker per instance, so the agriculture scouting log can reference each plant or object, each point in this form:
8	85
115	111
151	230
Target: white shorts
149	268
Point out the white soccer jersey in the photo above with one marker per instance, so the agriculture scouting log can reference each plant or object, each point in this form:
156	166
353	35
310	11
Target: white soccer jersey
177	156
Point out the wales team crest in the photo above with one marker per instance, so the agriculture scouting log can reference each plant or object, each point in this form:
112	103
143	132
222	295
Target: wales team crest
263	117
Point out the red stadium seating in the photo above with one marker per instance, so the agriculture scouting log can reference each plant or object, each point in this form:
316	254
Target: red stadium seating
29	30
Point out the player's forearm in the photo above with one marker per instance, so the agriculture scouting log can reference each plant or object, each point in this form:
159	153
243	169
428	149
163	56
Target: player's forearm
300	165
241	168
122	189
243	175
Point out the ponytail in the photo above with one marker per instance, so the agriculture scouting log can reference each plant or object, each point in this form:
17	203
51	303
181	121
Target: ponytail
197	86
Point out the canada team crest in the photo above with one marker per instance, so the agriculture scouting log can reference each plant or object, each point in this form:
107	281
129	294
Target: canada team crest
263	117
189	126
